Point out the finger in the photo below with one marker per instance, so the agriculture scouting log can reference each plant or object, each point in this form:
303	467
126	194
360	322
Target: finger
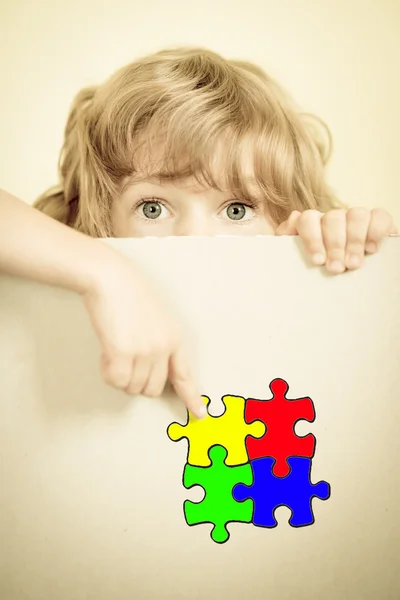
116	370
157	379
358	220
380	226
183	383
140	375
309	228
334	235
288	227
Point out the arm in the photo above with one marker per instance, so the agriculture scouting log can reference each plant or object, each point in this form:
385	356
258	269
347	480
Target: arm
37	247
141	343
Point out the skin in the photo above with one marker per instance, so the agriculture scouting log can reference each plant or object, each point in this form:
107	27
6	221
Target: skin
338	239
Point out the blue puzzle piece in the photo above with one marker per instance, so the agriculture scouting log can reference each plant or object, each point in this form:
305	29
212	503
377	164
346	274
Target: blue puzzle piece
294	491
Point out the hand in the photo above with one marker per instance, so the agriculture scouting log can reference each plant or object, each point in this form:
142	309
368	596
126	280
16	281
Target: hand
339	238
141	343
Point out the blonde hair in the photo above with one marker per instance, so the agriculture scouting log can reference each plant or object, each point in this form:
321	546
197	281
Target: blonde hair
167	116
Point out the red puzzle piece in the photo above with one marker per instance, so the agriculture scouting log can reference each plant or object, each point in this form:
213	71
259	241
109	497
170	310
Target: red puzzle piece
280	416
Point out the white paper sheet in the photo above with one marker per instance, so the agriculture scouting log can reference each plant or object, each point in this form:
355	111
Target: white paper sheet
91	491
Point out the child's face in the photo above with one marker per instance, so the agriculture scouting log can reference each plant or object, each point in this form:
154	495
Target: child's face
184	208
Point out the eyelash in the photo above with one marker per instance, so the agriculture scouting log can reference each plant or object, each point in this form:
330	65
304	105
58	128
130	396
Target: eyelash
145	200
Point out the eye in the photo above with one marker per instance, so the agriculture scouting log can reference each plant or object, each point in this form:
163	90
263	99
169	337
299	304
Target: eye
239	212
152	210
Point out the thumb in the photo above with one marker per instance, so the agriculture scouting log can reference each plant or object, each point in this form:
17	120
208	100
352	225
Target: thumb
184	385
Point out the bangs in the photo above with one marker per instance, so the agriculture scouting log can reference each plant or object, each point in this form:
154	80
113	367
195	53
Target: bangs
202	118
234	158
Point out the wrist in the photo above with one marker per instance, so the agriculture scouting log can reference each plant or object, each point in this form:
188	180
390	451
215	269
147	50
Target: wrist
103	267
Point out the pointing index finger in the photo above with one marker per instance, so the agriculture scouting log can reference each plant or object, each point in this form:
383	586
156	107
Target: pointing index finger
184	385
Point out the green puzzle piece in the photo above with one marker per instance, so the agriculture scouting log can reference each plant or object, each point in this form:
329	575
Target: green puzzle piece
218	506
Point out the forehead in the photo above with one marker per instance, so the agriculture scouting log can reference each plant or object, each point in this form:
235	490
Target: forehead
154	162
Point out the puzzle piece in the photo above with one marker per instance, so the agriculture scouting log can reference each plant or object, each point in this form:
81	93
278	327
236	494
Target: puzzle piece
229	430
294	491
218	506
280	416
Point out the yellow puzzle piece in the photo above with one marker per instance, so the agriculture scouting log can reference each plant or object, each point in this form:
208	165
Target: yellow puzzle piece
229	430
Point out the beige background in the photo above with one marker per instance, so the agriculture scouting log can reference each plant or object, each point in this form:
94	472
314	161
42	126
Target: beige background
91	495
339	59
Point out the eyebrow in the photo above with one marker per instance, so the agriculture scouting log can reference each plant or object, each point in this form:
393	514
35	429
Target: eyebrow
157	181
152	179
134	179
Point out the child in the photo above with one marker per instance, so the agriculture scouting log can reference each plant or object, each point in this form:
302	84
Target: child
181	142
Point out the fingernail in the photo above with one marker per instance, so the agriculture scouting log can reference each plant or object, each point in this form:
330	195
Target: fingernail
371	247
353	261
336	266
201	412
318	259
